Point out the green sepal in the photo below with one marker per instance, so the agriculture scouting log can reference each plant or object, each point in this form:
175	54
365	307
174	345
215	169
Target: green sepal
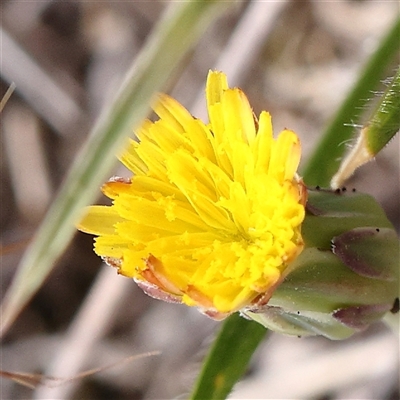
308	323
322	283
331	213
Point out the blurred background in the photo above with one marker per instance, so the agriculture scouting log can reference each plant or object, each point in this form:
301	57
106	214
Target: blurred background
297	59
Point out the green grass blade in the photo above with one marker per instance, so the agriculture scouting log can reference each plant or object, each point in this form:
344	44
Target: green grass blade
385	122
382	126
326	158
179	29
228	358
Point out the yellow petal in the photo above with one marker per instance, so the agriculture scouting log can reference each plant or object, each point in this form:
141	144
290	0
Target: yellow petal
131	159
111	246
168	139
172	113
238	116
285	156
152	188
114	188
263	142
99	220
188	173
216	84
153	214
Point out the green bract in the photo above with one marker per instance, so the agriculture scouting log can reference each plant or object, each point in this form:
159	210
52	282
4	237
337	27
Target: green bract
346	277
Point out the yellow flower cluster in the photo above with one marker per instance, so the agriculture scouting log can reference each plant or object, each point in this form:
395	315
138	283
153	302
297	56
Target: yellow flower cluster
212	215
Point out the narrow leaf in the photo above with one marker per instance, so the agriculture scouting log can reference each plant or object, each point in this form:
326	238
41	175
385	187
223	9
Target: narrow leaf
382	126
326	158
228	358
385	122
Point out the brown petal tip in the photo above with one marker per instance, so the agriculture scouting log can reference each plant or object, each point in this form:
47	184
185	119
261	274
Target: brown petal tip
155	292
113	262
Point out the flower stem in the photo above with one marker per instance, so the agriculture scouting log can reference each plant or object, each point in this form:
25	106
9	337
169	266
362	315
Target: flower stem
228	358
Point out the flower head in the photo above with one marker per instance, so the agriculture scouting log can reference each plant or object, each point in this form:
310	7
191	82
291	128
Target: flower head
212	215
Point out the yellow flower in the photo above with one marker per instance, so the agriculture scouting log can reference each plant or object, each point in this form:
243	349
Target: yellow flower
212	215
